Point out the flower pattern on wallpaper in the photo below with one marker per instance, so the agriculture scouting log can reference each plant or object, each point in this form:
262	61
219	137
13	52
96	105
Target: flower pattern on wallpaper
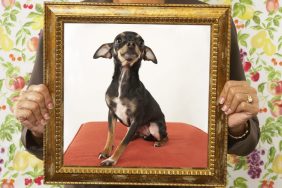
259	27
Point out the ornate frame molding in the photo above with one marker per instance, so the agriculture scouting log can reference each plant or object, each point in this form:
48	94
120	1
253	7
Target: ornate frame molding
218	17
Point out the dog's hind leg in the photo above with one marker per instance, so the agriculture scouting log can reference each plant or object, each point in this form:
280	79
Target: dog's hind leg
158	131
110	138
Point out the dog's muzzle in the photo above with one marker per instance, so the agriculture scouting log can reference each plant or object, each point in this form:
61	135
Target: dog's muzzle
129	53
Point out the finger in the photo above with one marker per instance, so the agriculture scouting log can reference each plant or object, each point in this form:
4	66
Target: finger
39	99
249	108
28	124
25	115
232	92
239	98
227	86
36	130
43	90
33	107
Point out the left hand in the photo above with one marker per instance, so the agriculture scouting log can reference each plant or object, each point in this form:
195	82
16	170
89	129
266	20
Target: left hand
235	104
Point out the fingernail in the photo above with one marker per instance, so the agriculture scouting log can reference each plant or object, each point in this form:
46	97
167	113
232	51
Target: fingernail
221	100
224	108
46	116
50	106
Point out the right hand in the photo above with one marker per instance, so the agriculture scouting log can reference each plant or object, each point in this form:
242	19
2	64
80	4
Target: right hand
32	108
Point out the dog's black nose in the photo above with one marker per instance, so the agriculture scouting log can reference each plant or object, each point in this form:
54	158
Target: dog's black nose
131	44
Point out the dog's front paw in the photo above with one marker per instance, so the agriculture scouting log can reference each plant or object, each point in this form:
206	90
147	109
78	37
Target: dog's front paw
108	162
103	155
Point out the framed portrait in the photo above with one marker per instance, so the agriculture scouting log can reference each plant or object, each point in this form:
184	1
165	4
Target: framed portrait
135	90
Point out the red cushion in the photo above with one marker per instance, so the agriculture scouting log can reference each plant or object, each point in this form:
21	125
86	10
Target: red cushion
187	147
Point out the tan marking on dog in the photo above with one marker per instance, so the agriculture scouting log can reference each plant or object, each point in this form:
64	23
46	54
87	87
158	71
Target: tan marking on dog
137	50
122	60
110	138
161	143
117	153
120	149
124	50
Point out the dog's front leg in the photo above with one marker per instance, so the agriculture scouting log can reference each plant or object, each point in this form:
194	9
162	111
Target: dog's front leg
112	120
121	147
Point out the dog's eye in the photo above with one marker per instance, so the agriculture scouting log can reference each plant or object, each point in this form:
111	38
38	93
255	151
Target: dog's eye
141	42
118	40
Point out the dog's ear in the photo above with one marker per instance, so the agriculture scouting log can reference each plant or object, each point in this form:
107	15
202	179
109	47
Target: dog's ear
104	51
149	55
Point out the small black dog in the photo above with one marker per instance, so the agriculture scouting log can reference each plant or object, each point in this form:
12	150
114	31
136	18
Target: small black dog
127	98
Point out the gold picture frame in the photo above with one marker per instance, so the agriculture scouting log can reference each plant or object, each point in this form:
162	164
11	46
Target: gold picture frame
217	17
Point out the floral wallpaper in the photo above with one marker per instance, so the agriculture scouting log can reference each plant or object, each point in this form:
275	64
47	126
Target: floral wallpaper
259	29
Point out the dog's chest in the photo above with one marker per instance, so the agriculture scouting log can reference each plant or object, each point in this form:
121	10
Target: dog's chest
122	106
121	110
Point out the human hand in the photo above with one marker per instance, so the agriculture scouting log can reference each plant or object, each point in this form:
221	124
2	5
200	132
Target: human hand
240	103
32	108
